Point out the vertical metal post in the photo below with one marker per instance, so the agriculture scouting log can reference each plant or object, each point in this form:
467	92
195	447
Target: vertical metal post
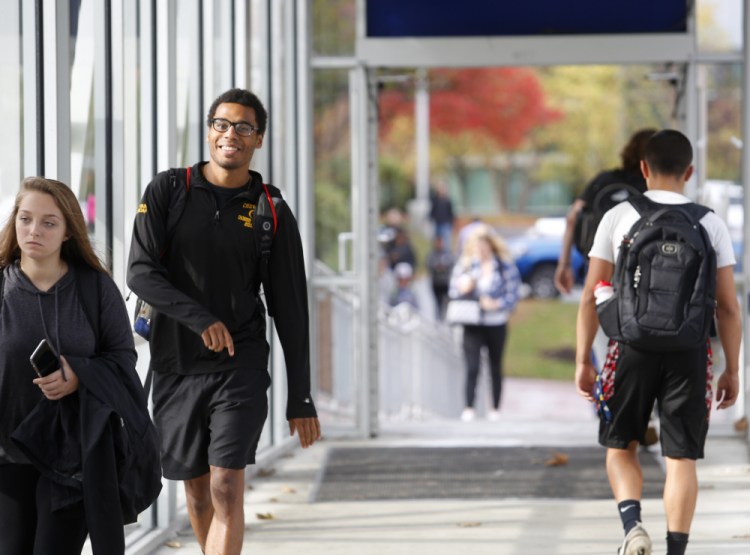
56	70
304	134
102	96
745	285
33	132
210	88
259	82
422	124
289	138
241	45
147	81
166	85
365	194
371	249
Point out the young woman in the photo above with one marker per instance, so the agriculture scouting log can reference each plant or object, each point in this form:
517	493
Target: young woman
485	272
52	443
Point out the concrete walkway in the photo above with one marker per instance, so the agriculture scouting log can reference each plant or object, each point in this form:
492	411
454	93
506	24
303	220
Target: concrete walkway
281	520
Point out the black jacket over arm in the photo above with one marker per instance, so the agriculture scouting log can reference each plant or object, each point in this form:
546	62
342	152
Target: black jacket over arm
99	445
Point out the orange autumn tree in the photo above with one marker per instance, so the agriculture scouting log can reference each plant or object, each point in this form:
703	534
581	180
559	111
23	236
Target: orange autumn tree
477	113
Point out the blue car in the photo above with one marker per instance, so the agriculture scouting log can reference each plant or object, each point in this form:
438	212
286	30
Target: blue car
536	253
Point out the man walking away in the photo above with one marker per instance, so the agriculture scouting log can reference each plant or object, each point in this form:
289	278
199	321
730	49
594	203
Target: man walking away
634	378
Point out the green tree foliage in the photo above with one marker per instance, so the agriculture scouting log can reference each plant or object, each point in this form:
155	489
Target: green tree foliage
474	115
602	106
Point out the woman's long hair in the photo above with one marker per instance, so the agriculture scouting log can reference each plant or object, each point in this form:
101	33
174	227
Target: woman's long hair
484	233
76	249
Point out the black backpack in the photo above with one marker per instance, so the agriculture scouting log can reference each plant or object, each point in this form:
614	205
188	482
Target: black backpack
588	218
265	223
664	280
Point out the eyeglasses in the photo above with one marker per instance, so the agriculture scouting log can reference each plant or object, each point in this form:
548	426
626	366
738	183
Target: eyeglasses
241	127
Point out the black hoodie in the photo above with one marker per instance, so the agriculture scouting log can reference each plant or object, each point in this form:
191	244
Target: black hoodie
207	270
97	445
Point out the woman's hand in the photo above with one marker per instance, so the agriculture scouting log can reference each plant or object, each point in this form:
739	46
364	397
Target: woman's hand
465	284
488	303
59	383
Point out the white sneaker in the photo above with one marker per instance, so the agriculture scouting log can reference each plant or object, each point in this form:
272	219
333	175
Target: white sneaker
468	414
493	415
636	542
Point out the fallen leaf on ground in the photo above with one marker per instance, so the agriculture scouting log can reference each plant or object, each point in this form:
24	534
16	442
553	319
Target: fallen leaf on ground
741	424
557	459
469	524
266	472
264	516
287	489
173	543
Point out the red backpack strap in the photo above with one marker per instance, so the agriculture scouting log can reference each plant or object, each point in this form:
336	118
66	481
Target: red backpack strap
270	204
187	180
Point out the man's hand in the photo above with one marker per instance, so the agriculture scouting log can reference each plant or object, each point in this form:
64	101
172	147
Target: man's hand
564	278
59	383
727	389
217	337
585	380
308	430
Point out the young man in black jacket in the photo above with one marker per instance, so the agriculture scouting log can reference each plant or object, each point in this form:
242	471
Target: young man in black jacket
208	339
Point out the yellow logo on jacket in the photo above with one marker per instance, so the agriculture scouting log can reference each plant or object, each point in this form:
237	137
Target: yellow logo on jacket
247	220
142	208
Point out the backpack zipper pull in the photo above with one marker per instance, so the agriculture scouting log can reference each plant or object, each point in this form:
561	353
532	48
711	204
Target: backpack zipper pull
216	216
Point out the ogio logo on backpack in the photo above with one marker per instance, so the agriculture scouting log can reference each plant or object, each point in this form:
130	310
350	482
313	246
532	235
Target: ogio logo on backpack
670	249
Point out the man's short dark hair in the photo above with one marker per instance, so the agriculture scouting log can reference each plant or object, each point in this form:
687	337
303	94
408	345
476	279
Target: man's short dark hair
247	99
668	152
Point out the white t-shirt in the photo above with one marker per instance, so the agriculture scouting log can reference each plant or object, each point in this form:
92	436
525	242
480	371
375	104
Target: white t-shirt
616	223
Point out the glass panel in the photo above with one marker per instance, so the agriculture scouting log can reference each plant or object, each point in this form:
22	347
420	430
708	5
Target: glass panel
335	305
82	139
11	142
719	25
334	27
332	154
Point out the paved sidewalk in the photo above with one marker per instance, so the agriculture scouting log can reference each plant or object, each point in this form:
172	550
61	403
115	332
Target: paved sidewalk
281	520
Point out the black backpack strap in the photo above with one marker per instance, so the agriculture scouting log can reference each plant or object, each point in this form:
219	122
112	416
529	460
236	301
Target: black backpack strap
176	200
88	286
2	286
642	204
692	210
695	211
266	222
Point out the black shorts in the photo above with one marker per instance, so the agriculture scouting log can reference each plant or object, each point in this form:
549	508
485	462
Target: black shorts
679	382
209	419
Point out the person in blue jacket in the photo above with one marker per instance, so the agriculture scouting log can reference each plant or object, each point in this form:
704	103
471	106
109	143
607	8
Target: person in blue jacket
485	272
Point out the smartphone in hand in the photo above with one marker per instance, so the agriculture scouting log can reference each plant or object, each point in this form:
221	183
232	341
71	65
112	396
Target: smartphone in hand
44	360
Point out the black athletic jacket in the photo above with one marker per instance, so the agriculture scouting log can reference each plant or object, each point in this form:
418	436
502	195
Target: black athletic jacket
207	270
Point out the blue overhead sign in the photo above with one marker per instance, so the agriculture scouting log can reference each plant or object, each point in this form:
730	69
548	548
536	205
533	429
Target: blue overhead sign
524	18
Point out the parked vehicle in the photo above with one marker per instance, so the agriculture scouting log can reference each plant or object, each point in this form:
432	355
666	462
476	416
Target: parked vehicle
536	253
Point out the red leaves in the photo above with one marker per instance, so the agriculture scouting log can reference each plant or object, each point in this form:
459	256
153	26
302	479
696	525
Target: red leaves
503	104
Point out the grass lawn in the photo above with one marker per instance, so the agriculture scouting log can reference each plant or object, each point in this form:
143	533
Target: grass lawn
541	340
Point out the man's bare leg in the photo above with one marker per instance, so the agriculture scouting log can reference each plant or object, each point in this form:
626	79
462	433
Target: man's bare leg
624	472
227	529
680	494
200	507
